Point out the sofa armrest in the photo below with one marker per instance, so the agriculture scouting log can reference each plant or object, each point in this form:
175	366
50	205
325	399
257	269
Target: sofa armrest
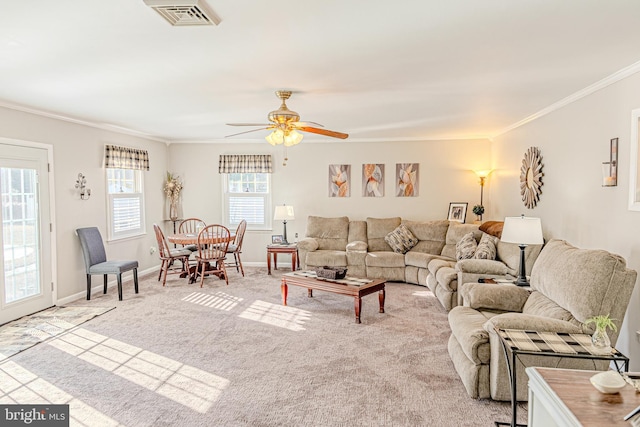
530	322
493	296
357	246
482	266
308	244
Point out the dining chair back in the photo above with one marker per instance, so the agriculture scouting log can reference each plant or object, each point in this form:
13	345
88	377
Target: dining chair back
191	226
213	242
235	248
95	261
169	256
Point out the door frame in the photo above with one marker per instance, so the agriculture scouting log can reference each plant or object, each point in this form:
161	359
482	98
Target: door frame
52	206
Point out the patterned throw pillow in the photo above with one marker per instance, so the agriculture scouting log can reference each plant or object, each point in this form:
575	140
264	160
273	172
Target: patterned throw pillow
401	239
466	247
486	247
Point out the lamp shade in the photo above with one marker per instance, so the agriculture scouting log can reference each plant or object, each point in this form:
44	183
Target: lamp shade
284	213
522	230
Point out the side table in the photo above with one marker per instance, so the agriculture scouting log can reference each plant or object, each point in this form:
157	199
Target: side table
282	249
556	344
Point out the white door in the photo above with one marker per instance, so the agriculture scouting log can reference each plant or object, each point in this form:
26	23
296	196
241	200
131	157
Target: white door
25	240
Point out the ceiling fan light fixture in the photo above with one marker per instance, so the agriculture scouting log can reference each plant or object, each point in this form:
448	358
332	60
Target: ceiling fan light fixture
275	138
292	137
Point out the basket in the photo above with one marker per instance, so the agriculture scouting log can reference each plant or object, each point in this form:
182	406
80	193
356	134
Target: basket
331	272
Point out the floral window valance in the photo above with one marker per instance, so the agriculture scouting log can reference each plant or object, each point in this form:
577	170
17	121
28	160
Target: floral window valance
125	158
245	163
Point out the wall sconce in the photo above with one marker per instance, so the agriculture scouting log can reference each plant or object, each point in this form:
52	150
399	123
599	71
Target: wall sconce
610	168
81	183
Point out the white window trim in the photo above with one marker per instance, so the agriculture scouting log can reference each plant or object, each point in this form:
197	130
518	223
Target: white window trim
268	214
112	236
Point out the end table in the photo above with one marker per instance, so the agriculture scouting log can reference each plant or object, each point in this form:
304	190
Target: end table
282	249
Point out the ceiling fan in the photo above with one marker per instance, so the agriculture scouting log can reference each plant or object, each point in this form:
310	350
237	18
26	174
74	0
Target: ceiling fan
286	124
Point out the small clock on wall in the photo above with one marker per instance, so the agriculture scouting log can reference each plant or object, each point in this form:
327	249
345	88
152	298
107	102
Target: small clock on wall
531	177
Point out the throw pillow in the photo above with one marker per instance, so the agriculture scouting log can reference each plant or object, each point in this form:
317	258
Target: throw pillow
486	248
466	247
493	228
401	239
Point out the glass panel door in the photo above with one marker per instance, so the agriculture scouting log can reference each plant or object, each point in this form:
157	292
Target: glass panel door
26	267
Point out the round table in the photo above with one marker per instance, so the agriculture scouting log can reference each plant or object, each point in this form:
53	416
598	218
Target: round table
192	239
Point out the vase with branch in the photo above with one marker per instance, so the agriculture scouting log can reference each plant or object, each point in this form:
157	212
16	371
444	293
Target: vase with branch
172	189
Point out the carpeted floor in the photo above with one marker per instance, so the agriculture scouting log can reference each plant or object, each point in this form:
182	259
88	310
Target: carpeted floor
234	356
30	330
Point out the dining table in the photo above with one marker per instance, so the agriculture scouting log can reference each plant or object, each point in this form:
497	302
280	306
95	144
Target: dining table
192	239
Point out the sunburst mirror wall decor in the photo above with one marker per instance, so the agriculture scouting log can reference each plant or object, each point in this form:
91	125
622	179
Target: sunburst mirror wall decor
531	177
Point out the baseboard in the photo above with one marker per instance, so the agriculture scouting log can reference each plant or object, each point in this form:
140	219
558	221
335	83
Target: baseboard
111	284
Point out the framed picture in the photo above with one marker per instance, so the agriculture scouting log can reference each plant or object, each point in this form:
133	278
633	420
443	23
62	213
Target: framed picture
458	212
372	180
277	238
407	179
339	180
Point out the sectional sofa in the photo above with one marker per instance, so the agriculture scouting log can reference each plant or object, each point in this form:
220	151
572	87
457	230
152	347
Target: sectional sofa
360	245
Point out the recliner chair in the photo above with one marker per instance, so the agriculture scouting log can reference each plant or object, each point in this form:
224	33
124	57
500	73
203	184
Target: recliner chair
568	286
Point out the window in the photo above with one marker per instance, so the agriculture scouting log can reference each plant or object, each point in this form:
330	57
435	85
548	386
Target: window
247	196
126	203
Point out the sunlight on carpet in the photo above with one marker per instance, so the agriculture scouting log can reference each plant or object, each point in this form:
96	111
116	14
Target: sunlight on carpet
277	315
220	300
20	386
30	330
184	384
425	294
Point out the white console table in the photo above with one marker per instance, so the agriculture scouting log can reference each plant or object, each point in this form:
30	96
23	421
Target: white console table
565	397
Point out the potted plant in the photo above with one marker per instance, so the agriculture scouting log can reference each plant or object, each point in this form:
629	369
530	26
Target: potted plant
478	210
600	338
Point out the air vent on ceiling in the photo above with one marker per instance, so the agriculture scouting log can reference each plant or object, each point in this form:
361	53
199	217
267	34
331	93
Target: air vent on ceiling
184	12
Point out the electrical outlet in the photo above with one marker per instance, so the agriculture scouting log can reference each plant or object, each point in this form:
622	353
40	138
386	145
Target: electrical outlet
152	250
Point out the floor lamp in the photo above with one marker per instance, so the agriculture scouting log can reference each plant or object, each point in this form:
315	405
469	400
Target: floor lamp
284	213
483	177
523	231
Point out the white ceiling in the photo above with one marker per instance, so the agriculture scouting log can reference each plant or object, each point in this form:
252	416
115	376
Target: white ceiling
378	70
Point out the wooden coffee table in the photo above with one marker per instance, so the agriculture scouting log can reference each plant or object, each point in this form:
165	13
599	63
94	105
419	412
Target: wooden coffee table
352	286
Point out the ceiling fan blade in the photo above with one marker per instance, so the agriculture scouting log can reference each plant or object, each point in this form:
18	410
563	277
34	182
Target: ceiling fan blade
299	124
248	131
326	132
248	124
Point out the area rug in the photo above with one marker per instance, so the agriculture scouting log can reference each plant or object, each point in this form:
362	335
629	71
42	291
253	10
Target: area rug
30	330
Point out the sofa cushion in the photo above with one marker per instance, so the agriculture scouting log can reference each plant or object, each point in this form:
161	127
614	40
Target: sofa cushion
438	263
486	248
585	282
431	235
419	259
331	233
325	257
455	232
384	259
377	230
401	239
466	247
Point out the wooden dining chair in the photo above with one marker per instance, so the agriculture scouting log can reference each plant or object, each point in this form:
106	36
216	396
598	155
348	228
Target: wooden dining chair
213	242
169	256
235	248
191	226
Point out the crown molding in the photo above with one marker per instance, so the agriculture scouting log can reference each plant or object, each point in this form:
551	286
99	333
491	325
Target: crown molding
102	126
609	80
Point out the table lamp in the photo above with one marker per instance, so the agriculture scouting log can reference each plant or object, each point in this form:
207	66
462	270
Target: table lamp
284	213
523	231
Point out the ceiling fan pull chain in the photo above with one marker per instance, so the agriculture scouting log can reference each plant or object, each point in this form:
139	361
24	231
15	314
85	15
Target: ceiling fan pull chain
284	163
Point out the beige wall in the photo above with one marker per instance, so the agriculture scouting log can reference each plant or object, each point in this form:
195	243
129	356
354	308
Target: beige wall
78	148
574	206
445	176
